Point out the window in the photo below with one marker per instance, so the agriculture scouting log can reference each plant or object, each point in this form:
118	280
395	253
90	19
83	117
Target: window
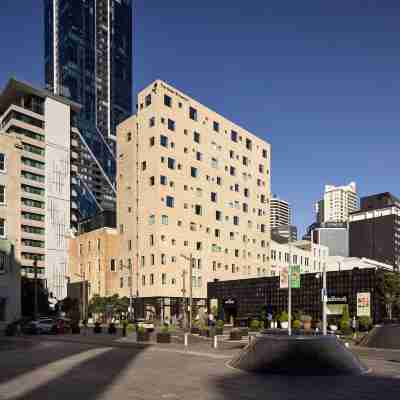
2	228
164	219
214	197
163	259
129	136
198	209
147	100
151	279
170	201
152	180
218	215
199	156
245	208
249	144
144	165
216	126
199	246
2	194
219	180
196	137
235	220
2	162
152	219
262	228
171	163
167	100
193	113
171	125
152	141
163	141
245	161
234	136
246	192
121	282
194	172
261	168
232	171
129	244
152	122
151	240
265	153
237	188
214	162
163	278
143	280
217	233
231	154
163	180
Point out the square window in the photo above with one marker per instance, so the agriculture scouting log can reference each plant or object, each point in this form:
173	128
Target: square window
167	101
170	201
163	141
193	113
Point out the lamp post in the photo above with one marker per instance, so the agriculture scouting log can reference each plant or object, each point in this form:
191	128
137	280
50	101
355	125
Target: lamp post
190	259
324	299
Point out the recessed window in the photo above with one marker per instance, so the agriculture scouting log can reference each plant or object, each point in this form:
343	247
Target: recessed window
144	165
147	100
246	192
193	113
152	122
167	101
152	180
171	125
194	173
232	171
151	279
199	246
245	207
2	162
249	144
236	187
199	156
152	141
218	215
231	154
196	137
235	220
163	141
2	194
214	197
217	233
214	162
171	163
129	136
216	126
163	180
265	153
234	136
198	209
219	180
164	219
2	228
163	259
170	201
152	219
112	265
151	240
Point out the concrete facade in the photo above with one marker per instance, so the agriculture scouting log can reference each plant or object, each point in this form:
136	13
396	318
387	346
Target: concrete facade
189	182
10	234
336	238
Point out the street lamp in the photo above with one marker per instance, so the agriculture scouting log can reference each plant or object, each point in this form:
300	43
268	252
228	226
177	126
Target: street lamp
190	259
324	298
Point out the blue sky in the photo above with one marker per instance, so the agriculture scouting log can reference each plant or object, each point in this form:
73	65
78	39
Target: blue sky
318	79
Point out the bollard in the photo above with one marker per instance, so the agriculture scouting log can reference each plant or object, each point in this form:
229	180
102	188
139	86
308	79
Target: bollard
186	337
215	342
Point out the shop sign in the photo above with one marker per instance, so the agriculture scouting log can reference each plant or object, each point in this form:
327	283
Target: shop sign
295	276
230	302
336	299
364	304
284	278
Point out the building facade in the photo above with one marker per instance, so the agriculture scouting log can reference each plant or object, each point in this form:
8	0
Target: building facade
374	232
191	184
339	202
284	233
333	235
50	170
281	213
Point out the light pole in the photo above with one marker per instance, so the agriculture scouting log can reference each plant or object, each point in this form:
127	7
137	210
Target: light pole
324	298
190	259
290	289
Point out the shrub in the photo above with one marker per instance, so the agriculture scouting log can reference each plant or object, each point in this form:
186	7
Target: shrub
220	323
296	324
345	325
284	317
130	328
305	318
172	328
141	330
254	325
365	323
165	329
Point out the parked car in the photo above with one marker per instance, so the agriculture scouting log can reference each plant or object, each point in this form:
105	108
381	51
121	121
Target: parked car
146	324
40	326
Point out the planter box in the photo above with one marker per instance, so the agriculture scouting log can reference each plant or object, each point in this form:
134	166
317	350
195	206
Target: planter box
195	330
204	332
219	331
143	337
163	338
235	335
284	324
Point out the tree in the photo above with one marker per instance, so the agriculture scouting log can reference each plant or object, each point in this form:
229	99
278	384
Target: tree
391	292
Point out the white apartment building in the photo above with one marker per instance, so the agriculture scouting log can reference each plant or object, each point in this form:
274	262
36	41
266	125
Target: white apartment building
339	202
311	257
281	213
189	183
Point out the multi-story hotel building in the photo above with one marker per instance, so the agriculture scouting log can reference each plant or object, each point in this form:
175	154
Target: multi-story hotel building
190	184
280	213
54	171
339	202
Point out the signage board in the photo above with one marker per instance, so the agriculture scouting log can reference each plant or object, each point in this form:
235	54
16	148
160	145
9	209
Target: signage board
284	278
295	276
364	304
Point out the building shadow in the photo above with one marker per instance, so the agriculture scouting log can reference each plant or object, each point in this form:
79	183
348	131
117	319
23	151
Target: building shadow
88	379
237	385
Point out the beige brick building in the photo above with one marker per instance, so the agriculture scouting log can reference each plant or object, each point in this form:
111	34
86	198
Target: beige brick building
189	182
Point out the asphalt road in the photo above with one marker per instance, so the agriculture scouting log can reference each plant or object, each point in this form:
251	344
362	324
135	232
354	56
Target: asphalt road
49	369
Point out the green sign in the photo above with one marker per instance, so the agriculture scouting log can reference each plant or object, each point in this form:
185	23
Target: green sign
295	276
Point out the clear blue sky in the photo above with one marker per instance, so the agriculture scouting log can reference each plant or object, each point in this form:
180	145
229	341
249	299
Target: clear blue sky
318	79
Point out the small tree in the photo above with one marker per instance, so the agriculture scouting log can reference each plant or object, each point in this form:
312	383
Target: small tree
345	320
284	317
254	325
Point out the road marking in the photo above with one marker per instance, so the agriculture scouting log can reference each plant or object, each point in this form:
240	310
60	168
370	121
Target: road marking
26	383
191	353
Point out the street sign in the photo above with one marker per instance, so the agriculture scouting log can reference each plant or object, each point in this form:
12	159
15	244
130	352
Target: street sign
364	304
295	276
284	278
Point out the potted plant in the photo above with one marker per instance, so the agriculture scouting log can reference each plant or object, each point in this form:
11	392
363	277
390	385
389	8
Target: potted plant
204	330
283	319
306	320
365	324
254	325
296	325
97	327
142	335
220	327
235	334
164	336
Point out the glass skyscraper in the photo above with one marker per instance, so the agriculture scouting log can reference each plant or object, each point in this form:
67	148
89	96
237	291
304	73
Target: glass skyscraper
88	59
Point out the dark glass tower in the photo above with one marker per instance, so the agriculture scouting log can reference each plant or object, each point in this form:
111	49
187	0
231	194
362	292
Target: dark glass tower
88	59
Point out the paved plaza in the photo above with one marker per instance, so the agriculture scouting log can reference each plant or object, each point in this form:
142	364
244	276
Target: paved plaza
51	368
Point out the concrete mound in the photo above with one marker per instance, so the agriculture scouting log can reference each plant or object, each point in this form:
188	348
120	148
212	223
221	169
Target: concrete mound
298	355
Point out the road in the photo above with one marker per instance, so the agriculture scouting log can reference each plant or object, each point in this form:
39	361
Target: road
51	369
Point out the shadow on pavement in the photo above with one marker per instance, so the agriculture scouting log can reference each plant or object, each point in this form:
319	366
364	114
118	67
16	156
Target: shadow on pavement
241	385
87	380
